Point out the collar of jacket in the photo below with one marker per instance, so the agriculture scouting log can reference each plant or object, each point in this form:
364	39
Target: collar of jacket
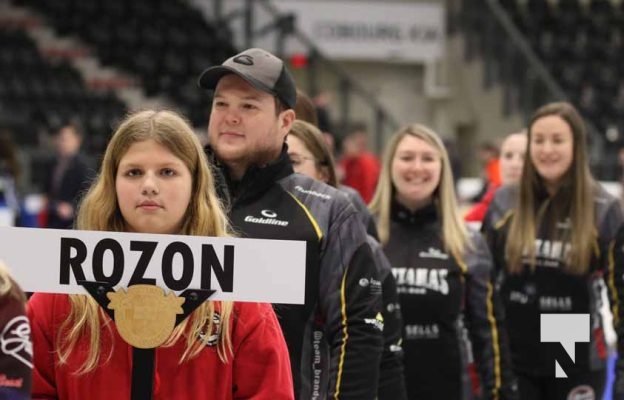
425	215
256	181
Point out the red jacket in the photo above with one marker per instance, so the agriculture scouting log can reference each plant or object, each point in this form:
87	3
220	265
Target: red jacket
260	368
361	173
478	210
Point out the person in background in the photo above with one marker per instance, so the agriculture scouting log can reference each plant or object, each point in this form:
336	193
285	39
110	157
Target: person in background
155	179
305	109
489	157
359	167
304	104
454	342
16	355
68	178
10	174
550	252
310	156
335	338
511	160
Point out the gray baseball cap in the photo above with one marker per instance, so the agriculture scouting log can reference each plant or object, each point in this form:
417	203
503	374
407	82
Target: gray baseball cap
259	68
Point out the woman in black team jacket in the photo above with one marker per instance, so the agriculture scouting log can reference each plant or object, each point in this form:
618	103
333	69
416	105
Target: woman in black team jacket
550	252
454	347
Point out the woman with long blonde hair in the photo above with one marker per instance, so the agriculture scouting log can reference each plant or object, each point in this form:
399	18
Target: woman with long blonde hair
155	179
452	334
550	251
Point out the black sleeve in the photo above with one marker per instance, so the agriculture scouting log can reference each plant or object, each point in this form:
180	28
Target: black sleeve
615	290
391	376
484	316
494	233
353	311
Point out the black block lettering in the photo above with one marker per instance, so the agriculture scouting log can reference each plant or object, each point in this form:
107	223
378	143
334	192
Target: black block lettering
147	251
75	263
98	261
187	266
224	273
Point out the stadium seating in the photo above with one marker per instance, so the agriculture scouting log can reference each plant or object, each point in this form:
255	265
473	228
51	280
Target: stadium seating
581	43
37	94
165	43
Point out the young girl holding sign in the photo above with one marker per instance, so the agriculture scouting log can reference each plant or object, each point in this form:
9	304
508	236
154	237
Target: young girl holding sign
154	179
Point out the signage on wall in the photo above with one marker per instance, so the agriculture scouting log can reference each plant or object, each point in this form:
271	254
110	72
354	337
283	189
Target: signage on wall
367	31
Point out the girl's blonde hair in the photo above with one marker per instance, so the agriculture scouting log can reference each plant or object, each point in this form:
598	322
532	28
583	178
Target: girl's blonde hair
99	211
574	199
454	233
7	286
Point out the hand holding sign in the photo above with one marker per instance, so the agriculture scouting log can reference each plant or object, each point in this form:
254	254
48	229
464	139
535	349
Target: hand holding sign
151	223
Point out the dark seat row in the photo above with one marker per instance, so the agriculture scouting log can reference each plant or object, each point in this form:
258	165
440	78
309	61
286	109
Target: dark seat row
165	43
38	94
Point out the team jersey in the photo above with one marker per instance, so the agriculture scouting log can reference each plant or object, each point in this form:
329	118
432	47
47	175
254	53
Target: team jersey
550	289
335	338
450	313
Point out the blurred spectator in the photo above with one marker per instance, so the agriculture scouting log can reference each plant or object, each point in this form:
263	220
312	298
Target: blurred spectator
10	173
359	167
490	173
68	178
321	102
513	150
621	165
305	110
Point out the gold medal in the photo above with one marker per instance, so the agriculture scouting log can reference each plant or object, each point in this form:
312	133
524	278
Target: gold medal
144	315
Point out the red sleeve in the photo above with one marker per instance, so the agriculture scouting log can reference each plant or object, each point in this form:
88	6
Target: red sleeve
261	361
16	352
361	173
40	309
477	212
493	172
370	170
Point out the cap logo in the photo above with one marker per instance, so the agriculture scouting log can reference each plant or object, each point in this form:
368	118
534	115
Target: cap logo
244	59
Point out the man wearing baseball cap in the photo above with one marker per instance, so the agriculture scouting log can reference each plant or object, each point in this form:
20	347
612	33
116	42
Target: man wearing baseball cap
335	338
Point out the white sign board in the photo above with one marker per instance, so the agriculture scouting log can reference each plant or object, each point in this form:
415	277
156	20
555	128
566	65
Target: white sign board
7	216
257	270
367	30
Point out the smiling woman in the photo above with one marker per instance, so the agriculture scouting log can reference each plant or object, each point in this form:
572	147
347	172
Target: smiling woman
550	249
443	275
